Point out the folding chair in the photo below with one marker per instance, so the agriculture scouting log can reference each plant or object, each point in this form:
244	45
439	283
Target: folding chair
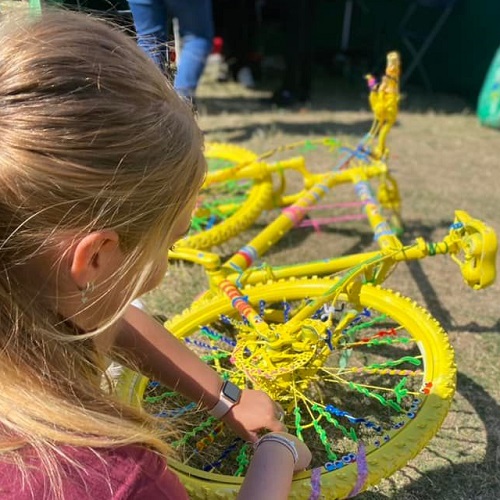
417	42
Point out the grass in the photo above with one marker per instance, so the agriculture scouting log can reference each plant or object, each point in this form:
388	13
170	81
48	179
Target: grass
443	160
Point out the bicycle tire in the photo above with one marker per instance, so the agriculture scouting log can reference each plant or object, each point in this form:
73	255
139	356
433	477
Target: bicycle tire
382	460
257	199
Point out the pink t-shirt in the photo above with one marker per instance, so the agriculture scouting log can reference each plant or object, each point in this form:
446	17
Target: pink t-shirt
126	473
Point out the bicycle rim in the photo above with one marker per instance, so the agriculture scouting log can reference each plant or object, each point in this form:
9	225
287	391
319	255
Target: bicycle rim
380	397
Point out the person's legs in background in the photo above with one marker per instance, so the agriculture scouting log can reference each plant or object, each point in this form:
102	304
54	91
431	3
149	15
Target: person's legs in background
236	24
151	19
197	32
298	20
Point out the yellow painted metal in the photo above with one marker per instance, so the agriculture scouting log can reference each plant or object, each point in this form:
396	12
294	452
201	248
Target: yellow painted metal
384	102
404	443
478	244
262	195
282	349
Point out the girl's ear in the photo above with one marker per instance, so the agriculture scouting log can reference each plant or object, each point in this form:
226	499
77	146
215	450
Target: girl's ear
95	257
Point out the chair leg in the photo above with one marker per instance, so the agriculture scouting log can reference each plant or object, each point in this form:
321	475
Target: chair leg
416	62
423	74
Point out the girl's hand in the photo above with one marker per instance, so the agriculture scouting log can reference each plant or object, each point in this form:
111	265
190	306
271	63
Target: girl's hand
255	412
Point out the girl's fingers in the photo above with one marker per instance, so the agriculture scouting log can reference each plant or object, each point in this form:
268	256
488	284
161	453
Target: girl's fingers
277	426
252	437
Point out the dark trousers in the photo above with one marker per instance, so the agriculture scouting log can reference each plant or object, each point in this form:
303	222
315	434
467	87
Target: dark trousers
236	23
298	20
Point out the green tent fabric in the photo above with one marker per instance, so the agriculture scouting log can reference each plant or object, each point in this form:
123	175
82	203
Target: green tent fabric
488	110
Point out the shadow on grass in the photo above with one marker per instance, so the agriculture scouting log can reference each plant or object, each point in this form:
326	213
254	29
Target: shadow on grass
476	480
362	239
435	307
464	481
329	95
471	481
327	128
297	236
432	302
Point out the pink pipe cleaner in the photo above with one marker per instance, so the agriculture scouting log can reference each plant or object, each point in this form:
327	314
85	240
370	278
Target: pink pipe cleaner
338	205
316	223
329	220
295	214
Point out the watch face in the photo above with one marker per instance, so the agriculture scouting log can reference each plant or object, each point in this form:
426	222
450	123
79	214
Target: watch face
231	391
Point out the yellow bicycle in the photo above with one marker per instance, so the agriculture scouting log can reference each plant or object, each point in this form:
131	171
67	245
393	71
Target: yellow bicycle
365	375
240	185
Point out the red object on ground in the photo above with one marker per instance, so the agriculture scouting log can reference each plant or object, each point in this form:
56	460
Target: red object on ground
217	45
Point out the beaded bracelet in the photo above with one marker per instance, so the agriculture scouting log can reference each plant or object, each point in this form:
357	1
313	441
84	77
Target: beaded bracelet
278	438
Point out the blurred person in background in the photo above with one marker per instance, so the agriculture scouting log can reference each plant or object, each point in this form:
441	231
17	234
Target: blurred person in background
196	28
236	25
298	21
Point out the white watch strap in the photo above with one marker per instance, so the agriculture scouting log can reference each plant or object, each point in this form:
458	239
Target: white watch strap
222	407
226	402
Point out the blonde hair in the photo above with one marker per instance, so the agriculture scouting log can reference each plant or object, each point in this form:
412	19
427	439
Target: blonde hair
92	136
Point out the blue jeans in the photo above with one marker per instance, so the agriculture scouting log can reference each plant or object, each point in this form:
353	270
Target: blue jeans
196	30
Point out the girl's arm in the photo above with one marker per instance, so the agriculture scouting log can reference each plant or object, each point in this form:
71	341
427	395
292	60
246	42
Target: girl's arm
269	476
162	357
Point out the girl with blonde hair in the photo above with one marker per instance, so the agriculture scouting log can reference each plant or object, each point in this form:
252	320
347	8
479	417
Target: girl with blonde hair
100	163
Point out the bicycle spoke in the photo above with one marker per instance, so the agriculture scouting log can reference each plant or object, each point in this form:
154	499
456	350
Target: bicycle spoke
368	384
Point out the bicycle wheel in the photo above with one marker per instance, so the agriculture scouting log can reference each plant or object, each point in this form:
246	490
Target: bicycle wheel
365	399
227	208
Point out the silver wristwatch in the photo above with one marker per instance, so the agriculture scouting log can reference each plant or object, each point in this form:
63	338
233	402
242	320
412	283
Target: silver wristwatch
229	396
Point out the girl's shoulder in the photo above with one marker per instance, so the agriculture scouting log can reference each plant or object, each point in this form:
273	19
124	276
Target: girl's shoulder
124	473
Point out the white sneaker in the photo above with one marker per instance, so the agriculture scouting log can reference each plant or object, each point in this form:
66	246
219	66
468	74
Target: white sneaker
245	77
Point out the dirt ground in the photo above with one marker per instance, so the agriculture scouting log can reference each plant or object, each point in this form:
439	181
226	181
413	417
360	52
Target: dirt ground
443	160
